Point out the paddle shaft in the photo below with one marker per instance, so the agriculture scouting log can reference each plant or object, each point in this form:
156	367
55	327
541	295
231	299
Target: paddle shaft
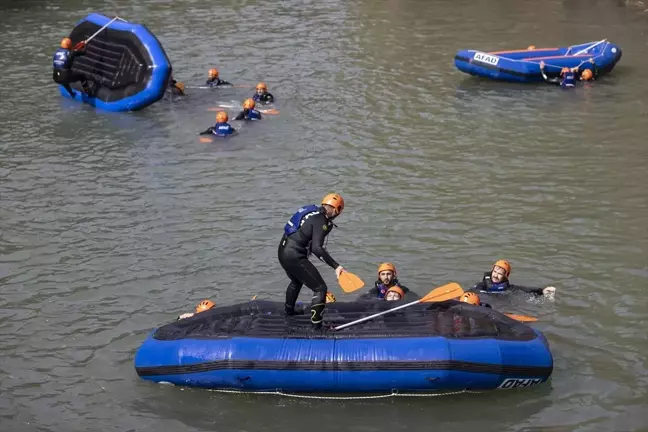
376	315
101	29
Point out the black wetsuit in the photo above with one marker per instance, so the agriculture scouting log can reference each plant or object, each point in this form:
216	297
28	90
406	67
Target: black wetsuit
175	90
293	256
216	82
265	98
62	69
487	286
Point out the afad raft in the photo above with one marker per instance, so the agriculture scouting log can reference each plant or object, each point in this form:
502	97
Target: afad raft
524	65
125	63
427	347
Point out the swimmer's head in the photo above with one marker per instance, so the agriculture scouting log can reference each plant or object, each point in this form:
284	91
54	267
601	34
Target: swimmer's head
221	117
501	271
394	293
213	73
248	104
587	75
66	43
261	88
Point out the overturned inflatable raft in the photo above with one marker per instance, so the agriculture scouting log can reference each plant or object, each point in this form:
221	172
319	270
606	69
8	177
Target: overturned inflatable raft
425	347
125	64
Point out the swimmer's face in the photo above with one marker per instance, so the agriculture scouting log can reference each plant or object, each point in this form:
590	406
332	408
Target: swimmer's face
498	274
391	296
260	91
386	277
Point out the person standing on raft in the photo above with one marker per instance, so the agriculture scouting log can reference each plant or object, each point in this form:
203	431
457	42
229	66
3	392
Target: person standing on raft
304	234
62	65
496	282
213	80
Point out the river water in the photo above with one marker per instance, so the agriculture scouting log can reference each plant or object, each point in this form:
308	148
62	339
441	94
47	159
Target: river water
112	224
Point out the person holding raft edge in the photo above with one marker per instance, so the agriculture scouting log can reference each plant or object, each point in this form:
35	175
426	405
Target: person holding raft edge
386	281
305	233
62	65
568	77
496	282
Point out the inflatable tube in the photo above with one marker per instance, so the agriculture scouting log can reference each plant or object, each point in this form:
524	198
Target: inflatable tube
125	62
524	65
426	347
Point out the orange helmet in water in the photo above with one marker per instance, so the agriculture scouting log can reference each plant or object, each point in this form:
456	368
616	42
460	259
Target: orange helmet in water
66	43
397	290
564	70
205	305
505	265
387	267
213	73
587	75
248	104
221	117
334	200
262	86
470	297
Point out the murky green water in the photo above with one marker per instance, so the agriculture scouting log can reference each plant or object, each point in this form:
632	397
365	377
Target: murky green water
112	224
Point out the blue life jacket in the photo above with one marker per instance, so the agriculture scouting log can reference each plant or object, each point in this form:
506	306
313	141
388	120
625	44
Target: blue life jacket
569	80
299	218
61	58
253	115
223	129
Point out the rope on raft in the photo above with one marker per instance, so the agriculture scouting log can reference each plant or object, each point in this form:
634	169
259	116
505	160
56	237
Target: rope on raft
379	396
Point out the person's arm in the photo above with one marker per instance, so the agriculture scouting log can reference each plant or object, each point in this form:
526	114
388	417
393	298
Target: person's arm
207	132
269	98
317	240
528	290
546	78
240	116
225	83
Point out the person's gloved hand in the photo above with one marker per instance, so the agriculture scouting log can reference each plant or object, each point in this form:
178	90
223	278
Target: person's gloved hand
549	292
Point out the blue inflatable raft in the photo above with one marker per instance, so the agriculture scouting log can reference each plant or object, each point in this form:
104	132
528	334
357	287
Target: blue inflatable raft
426	347
524	65
125	65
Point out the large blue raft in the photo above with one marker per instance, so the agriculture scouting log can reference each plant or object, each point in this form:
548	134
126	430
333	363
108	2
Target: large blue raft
426	347
126	65
524	65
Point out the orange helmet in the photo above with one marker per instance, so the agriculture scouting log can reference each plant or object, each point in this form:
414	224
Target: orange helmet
262	86
387	267
221	117
470	297
587	75
213	73
248	104
66	43
396	290
205	305
334	200
330	298
564	70
503	264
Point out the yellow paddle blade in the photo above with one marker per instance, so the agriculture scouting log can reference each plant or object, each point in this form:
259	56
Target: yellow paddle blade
214	109
521	318
350	282
269	111
205	140
443	293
